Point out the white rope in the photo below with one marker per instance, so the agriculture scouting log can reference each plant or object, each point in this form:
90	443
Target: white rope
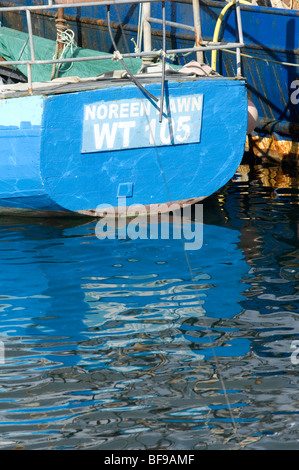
117	56
162	53
263	59
65	37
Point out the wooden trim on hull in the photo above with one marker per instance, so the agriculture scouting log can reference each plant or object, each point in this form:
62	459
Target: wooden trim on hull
153	209
20	212
115	211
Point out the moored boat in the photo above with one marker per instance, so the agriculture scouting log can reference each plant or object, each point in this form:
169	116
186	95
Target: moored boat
76	145
269	56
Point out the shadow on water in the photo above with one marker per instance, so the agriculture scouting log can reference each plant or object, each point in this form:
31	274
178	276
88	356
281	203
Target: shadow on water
118	344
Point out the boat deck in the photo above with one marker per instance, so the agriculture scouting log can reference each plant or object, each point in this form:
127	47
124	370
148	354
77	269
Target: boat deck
75	84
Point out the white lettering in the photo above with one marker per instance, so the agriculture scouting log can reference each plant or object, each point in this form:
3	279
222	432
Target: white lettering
137	228
196	103
108	125
124	110
162	213
172	106
145	108
102	111
134	109
126	126
184	104
90	112
151	127
166	131
184	128
295	95
113	111
165	459
168	222
105	134
197	234
115	460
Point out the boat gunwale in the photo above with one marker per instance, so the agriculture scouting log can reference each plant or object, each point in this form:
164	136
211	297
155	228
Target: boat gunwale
67	85
148	52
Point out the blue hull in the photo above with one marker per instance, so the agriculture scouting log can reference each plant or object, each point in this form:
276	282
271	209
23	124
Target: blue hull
268	60
69	153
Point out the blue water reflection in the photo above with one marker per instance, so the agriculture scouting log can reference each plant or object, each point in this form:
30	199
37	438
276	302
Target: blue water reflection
128	344
67	285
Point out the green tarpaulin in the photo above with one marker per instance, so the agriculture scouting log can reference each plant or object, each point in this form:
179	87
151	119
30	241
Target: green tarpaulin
14	45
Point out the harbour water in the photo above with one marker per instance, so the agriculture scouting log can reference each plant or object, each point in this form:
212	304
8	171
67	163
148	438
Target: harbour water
123	344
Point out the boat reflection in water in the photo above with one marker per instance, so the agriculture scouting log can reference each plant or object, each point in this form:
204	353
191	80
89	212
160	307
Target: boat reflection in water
66	283
118	344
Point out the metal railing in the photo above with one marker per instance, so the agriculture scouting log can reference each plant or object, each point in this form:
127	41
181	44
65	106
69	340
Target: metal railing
162	53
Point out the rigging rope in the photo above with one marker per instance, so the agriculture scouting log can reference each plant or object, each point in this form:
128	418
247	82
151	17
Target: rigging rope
272	61
217	28
66	38
217	365
118	56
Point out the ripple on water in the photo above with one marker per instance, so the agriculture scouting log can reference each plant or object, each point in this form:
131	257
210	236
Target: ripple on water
115	344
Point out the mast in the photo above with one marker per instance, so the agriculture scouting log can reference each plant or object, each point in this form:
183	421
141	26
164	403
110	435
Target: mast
197	29
147	32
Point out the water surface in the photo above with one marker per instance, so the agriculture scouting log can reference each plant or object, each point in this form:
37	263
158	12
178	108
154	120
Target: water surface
121	344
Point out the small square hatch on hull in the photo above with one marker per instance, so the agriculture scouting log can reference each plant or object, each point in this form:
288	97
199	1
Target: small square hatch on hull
125	190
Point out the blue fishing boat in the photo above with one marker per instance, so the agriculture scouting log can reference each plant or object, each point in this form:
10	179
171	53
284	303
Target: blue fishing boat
270	64
135	132
269	56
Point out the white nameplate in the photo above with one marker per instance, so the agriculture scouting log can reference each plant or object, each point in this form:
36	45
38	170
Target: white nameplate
134	123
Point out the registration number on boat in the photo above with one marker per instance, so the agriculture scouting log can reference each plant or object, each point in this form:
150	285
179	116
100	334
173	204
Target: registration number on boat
135	123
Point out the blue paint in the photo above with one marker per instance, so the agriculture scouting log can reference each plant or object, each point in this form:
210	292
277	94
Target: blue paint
46	155
20	137
54	256
125	190
269	36
21	183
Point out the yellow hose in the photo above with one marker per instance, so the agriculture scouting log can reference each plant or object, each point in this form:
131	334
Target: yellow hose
217	28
